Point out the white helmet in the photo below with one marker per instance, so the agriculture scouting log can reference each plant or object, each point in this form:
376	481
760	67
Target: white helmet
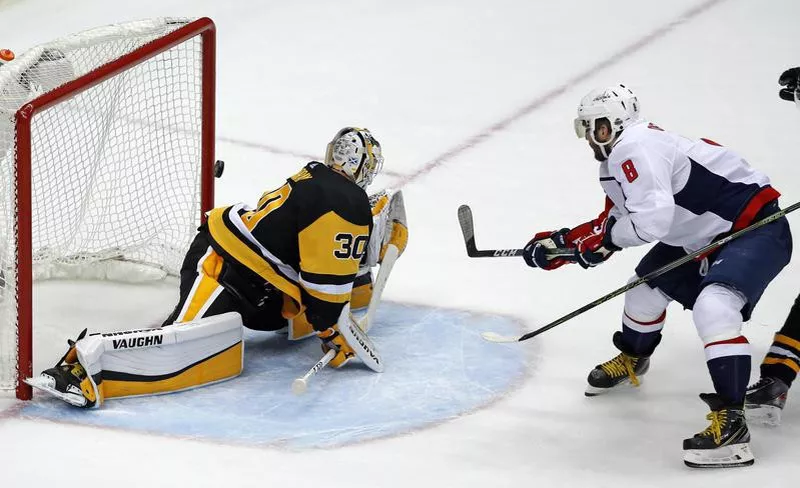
356	153
616	103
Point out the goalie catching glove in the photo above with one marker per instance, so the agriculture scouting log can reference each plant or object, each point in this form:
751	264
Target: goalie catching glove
389	225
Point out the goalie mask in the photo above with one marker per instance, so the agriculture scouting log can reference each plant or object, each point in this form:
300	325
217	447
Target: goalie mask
355	153
618	104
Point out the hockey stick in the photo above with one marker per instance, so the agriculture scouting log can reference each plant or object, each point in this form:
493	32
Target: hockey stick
355	332
380	283
300	385
363	348
468	229
493	337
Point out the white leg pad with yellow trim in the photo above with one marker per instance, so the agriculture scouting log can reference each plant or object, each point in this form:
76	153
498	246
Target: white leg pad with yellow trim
172	358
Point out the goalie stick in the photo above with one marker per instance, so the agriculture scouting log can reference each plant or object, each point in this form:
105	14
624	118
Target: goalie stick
494	337
397	213
468	230
356	331
362	345
389	258
300	385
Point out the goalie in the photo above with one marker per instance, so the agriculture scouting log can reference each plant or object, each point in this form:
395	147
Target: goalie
287	265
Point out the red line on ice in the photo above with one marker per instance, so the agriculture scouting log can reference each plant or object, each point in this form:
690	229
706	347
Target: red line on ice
533	105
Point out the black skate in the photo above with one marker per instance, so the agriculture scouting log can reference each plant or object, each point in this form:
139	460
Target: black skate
67	380
725	443
66	383
765	400
624	369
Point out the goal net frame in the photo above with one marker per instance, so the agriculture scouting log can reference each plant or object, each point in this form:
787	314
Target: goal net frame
203	27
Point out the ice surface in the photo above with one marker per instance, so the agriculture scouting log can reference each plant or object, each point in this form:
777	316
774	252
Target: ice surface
426	76
437	369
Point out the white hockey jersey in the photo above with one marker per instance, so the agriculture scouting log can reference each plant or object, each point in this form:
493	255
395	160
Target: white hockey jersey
678	191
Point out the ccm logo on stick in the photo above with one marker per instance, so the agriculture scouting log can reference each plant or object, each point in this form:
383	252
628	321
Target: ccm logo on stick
504	252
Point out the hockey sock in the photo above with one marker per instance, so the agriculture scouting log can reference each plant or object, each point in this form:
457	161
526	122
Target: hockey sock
729	365
640	337
783	358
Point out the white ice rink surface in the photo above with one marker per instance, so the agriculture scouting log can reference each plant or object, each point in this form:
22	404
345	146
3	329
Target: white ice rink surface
473	103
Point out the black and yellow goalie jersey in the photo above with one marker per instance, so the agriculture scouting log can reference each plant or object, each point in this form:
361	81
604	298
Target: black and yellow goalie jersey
306	238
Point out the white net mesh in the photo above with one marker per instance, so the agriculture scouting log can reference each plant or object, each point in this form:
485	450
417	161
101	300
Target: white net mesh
115	169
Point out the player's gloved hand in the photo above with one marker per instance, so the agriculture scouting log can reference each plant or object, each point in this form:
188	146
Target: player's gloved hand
596	247
789	80
332	339
398	237
535	252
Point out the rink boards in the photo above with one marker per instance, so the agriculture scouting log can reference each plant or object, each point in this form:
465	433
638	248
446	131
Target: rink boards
437	368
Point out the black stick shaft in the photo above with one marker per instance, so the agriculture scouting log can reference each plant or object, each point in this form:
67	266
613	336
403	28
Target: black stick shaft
660	271
467	224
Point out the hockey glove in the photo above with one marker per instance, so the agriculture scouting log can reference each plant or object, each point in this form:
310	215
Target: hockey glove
398	237
790	81
596	247
332	339
535	252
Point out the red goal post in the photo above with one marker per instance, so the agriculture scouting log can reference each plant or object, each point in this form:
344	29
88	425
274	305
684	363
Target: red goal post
133	128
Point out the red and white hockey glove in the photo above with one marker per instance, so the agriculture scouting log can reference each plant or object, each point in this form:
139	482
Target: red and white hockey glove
589	242
594	246
535	252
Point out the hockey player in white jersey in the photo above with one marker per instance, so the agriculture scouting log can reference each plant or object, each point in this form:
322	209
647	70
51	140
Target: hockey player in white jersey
680	194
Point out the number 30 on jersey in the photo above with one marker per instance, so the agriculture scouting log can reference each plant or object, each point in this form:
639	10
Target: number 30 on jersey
350	247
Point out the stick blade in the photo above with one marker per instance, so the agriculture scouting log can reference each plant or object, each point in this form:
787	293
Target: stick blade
467	229
466	223
497	338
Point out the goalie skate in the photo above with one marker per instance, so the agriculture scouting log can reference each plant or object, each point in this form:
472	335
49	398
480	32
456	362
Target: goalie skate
62	382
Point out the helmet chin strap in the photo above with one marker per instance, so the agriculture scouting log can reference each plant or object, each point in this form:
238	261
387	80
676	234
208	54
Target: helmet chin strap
603	150
602	145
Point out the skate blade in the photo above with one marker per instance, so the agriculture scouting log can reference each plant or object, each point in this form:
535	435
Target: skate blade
624	385
768	415
46	384
731	456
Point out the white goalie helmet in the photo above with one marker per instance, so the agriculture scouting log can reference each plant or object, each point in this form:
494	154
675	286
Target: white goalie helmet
616	103
356	153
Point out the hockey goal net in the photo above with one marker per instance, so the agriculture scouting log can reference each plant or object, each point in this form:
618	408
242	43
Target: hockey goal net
106	156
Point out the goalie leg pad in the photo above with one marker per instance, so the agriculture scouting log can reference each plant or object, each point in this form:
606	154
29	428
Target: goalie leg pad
300	328
200	291
172	358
